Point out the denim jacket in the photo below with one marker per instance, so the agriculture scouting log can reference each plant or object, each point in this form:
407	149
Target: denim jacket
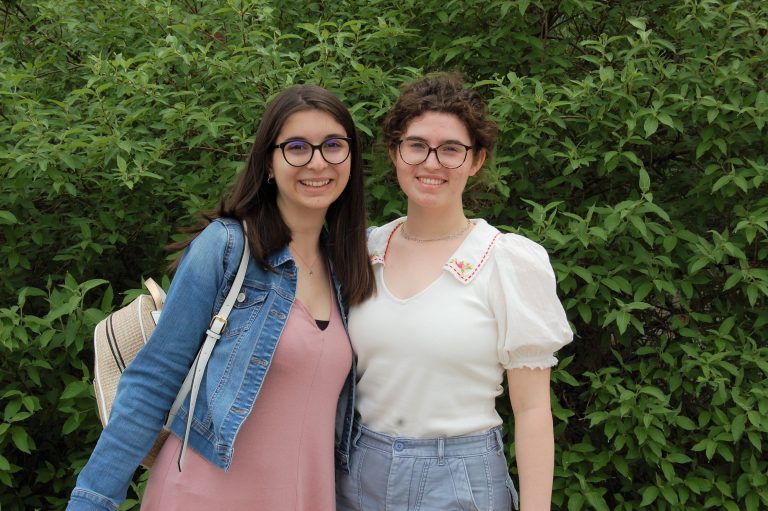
233	377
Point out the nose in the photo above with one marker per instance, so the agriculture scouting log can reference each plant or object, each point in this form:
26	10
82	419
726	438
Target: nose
317	160
432	161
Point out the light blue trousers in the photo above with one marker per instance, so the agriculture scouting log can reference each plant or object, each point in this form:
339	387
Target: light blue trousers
467	473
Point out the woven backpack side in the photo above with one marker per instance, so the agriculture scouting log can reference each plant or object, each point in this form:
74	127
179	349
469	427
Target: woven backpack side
117	340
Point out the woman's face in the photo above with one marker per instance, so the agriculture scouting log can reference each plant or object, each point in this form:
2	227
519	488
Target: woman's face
430	184
312	187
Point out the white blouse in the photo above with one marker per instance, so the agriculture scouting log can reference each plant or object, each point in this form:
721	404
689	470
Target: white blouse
432	365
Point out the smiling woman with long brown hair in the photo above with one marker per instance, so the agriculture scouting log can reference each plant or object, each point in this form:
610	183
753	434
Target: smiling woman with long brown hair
262	431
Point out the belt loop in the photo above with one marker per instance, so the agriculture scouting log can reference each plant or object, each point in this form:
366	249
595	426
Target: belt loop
499	442
441	451
357	431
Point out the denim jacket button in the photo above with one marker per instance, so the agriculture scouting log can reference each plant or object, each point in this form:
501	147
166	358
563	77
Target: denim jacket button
241	297
399	446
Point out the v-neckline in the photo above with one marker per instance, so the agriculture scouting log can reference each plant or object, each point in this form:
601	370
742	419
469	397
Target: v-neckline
308	313
431	283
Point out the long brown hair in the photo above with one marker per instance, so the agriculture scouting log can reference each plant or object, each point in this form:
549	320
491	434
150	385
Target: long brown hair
254	200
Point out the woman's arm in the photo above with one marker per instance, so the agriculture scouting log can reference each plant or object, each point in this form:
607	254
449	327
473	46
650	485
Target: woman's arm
150	383
534	436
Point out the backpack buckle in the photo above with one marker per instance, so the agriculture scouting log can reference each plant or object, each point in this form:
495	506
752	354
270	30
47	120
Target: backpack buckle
218	324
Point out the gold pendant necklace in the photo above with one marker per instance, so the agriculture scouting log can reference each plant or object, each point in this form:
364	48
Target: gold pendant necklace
439	238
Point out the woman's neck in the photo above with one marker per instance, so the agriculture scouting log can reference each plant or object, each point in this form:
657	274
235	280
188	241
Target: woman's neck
305	230
423	223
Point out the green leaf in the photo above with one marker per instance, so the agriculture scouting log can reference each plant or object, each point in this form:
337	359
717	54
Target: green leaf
622	467
650	125
606	74
575	502
596	501
71	424
655	392
585	311
11	409
752	501
664	118
622	321
752	293
669	471
638	23
565	377
632	157
679	458
649	495
8	218
734	279
21	439
121	164
645	180
90	284
669	243
724	180
74	389
669	494
755	418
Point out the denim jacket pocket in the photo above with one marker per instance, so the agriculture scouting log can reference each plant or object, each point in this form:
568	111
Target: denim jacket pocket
247	306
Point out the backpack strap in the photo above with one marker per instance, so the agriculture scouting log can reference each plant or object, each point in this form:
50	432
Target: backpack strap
218	323
158	297
156	292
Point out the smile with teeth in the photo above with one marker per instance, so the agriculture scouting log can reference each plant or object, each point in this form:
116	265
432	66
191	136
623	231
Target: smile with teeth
431	181
315	183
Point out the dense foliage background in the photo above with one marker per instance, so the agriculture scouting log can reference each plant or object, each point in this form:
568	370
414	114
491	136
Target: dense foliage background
632	146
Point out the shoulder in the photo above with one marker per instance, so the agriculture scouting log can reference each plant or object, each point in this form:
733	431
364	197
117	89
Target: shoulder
219	241
520	250
505	253
378	238
522	264
219	231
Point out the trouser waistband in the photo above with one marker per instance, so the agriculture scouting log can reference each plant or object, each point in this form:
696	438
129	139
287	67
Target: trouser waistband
438	447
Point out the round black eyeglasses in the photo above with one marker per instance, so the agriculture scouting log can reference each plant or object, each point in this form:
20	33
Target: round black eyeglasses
450	155
298	153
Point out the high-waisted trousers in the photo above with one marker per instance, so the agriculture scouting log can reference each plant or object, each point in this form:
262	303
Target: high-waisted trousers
467	473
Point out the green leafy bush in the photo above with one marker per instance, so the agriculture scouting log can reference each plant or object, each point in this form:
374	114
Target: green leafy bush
632	146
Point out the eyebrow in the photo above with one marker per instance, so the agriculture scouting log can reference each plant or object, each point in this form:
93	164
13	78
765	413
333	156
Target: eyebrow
451	141
326	137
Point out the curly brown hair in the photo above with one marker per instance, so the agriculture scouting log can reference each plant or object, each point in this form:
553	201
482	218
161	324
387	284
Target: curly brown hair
444	93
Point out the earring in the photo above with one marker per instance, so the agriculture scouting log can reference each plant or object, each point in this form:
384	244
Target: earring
270	179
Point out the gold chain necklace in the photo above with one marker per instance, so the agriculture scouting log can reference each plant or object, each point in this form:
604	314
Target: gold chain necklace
456	234
308	266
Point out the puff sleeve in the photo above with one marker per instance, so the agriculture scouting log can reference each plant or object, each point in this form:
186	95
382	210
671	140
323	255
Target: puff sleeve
531	322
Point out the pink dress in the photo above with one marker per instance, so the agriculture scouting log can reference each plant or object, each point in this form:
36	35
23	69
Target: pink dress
284	453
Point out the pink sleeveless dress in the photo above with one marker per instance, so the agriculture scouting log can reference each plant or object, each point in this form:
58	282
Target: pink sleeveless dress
284	453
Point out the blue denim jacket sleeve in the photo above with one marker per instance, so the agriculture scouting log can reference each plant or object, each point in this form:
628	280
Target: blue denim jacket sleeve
149	385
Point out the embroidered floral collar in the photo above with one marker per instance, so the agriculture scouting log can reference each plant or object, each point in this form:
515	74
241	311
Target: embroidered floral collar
464	264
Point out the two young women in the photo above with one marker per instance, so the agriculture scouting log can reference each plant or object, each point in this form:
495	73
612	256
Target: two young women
458	305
